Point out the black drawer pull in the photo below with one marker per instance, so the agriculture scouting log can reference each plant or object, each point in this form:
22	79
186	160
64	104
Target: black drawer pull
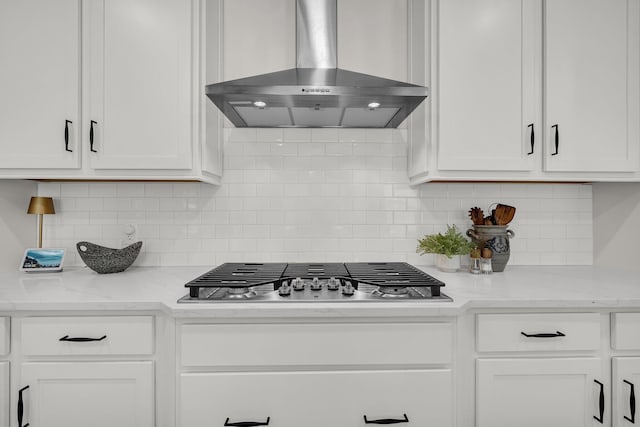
81	339
247	423
600	419
93	122
533	139
66	135
632	403
544	335
21	407
387	420
556	140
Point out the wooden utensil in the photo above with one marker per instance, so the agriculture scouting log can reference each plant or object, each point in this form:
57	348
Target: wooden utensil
503	214
476	215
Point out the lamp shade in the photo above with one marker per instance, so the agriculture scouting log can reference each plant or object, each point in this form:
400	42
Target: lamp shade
41	205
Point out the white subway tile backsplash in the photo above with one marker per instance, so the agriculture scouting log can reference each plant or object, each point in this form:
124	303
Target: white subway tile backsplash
101	217
74	189
159	218
156	189
297	135
49	189
270	135
313	195
130	189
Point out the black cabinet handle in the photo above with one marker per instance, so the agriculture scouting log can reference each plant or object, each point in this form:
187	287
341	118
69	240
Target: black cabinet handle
600	419
81	339
66	135
556	140
93	122
387	420
533	139
247	423
632	403
21	407
544	335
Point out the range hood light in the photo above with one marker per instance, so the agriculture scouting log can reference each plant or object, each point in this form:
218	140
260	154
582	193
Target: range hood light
260	104
373	105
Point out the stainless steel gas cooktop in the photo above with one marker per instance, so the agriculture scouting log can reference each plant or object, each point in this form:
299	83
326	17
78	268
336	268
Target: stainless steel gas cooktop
314	282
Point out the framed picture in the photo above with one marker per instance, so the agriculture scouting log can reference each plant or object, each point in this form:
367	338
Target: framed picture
42	259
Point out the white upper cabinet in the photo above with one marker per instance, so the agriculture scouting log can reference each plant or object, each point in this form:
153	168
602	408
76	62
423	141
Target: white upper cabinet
531	90
140	67
40	84
487	84
101	89
592	88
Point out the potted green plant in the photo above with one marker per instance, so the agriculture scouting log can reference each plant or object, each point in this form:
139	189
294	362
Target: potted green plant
447	246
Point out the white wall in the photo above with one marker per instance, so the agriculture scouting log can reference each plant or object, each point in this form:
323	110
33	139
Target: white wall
17	228
616	224
312	195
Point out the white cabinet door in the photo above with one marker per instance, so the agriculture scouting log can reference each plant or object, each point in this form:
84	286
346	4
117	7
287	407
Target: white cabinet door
626	376
39	83
317	399
4	394
140	84
486	91
553	392
97	394
592	92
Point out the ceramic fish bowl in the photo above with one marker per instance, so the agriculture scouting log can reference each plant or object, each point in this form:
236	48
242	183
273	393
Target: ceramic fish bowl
105	260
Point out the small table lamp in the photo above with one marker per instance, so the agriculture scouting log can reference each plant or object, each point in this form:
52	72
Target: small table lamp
41	206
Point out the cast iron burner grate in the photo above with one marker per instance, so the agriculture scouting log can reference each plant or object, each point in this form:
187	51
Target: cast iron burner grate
392	274
237	275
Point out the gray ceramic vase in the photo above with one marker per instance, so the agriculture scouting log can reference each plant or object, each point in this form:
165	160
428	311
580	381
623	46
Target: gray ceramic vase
496	238
105	260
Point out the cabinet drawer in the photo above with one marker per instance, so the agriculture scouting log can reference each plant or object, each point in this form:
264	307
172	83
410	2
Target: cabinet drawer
51	336
316	344
547	332
317	399
624	331
4	336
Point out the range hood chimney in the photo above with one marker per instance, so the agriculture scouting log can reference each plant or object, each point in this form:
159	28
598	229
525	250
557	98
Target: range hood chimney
316	94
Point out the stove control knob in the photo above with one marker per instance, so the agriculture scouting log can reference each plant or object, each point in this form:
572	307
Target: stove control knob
285	290
298	284
315	284
348	289
333	284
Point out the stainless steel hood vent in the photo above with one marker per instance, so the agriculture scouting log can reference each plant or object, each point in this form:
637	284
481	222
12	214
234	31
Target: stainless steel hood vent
316	93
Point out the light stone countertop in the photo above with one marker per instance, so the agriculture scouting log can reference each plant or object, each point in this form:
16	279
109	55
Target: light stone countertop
158	289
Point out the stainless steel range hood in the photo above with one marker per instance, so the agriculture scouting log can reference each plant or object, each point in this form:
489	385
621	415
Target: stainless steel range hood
316	93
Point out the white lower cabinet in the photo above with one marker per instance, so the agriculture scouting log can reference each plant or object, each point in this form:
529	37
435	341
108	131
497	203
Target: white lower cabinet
317	399
70	371
97	394
4	394
550	392
315	374
626	376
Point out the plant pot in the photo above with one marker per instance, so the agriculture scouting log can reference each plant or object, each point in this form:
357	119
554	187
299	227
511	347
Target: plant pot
496	238
449	265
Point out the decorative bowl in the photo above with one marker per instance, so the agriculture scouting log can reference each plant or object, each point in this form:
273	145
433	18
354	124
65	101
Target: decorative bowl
105	260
